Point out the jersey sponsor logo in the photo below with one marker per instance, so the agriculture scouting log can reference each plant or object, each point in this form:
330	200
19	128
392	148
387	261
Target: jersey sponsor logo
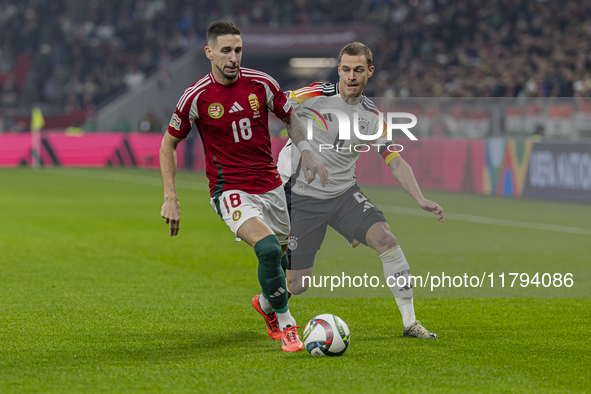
236	215
216	110
175	122
236	107
254	102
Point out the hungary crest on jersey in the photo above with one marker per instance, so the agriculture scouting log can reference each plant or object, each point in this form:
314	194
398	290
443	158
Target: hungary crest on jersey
254	102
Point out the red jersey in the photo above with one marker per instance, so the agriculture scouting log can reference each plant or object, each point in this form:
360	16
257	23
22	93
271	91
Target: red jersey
233	123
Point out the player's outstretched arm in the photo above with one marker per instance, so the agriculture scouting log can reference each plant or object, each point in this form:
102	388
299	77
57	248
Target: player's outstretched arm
171	209
311	166
405	177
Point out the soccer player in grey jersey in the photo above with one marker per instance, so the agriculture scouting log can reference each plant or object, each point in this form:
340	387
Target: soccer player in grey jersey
341	204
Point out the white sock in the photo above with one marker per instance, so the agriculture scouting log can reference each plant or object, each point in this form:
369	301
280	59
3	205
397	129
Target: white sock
395	265
397	272
285	319
407	310
265	305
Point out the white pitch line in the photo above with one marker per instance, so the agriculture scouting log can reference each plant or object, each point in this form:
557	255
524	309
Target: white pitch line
151	181
484	220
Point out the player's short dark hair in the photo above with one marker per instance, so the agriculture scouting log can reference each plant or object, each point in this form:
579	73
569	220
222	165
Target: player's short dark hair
356	49
221	28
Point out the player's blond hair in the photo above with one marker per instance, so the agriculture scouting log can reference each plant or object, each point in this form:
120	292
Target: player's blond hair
356	49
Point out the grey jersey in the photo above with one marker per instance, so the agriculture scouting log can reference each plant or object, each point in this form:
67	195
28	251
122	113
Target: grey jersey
338	156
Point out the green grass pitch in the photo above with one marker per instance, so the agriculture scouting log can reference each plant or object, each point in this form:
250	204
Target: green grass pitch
95	297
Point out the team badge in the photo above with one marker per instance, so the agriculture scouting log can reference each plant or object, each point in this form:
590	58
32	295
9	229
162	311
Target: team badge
363	127
175	122
254	102
292	243
216	110
236	215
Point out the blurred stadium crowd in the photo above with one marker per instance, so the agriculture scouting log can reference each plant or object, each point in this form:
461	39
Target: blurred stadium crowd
79	63
423	48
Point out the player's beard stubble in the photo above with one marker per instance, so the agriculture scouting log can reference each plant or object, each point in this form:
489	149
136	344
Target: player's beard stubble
229	77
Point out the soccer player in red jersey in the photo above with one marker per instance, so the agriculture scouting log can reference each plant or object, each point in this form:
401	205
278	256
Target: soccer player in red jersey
230	108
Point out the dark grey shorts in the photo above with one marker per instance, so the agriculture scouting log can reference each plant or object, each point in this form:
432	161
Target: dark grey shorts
351	214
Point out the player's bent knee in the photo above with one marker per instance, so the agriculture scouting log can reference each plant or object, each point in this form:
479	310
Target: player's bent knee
389	240
381	239
299	280
297	287
268	251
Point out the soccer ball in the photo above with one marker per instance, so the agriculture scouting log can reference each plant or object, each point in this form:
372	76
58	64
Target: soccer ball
326	335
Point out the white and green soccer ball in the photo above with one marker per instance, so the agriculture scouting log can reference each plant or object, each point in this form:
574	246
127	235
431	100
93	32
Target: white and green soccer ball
326	335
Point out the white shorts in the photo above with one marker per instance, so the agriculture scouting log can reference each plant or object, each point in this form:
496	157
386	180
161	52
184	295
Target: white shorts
235	207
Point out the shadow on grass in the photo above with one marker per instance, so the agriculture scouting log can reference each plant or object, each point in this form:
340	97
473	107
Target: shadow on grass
179	344
138	347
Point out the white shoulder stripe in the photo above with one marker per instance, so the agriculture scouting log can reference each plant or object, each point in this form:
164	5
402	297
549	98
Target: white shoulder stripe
315	87
191	89
202	82
189	92
199	83
254	73
325	89
370	104
193	114
269	93
264	76
184	102
307	90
